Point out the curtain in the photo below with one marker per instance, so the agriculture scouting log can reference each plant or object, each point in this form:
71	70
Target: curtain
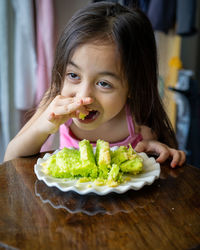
9	116
45	51
26	59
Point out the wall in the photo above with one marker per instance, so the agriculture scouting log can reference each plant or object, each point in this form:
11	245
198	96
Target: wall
190	49
64	11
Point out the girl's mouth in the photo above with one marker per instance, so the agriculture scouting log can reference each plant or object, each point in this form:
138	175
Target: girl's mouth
93	114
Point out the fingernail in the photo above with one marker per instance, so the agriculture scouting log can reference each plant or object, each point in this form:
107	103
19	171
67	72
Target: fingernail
88	99
51	116
173	165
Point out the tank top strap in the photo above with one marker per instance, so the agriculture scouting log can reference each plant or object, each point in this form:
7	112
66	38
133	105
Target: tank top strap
129	120
68	123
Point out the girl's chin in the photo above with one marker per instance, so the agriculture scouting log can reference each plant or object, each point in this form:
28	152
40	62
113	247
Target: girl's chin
85	126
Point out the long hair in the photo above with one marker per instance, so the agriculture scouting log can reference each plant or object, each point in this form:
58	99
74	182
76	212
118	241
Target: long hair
133	35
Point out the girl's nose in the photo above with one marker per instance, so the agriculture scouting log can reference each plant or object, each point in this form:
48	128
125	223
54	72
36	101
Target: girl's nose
84	90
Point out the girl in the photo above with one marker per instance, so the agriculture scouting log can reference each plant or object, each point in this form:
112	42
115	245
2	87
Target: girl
106	70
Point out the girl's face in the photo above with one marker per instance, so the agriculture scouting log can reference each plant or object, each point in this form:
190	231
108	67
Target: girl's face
94	71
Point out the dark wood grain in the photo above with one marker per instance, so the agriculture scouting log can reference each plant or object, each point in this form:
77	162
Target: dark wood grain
164	215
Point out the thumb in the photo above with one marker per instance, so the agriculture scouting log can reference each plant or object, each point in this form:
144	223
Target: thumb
140	147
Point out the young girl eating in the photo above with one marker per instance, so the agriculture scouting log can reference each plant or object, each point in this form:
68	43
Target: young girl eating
104	86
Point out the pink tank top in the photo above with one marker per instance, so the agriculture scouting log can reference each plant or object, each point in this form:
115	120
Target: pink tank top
67	139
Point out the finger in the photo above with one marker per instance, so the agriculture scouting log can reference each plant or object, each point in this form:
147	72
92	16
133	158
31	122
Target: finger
77	108
140	147
52	117
176	157
154	147
87	100
159	149
163	154
68	108
183	158
62	100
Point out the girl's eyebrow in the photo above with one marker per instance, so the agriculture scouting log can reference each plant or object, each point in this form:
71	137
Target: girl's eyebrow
73	64
108	73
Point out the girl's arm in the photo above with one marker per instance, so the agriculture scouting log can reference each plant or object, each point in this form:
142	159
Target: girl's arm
150	144
28	141
44	122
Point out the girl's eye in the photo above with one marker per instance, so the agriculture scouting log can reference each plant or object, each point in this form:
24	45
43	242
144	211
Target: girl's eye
73	76
104	85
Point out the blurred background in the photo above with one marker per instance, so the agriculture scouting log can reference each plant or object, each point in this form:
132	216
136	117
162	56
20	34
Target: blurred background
29	31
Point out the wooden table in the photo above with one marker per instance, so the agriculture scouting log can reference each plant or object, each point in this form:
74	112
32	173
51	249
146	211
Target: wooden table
164	215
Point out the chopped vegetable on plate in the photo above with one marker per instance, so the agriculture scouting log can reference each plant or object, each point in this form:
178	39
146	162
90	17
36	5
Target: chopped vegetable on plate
101	165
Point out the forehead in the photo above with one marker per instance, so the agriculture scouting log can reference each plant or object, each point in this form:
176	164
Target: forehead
99	54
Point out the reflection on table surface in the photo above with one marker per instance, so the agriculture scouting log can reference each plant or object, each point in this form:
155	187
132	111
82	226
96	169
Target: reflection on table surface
90	204
164	215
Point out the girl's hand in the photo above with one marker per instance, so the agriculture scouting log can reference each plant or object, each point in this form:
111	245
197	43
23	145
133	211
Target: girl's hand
61	109
163	151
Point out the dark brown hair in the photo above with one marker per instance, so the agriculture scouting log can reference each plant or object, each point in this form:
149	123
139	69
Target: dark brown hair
133	35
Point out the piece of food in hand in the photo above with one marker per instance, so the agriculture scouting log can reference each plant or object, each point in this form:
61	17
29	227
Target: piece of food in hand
87	158
82	116
103	158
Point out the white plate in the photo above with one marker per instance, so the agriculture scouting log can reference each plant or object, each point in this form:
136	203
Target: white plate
150	172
